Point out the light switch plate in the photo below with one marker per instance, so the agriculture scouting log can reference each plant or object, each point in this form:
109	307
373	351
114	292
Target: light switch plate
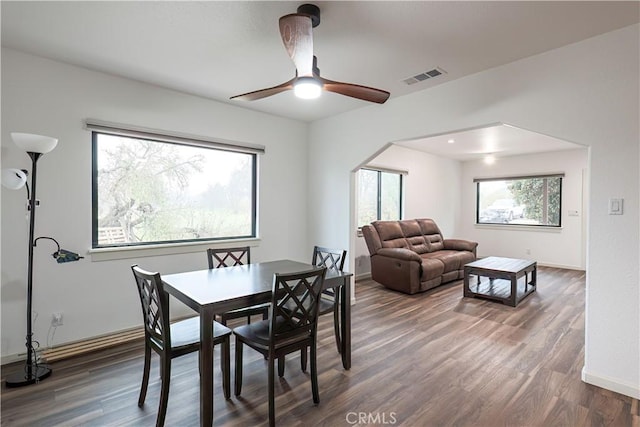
616	206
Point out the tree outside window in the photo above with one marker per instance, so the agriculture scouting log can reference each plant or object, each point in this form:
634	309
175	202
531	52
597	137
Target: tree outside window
533	201
147	191
379	196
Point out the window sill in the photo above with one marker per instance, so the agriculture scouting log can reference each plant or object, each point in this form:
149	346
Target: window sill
126	252
542	228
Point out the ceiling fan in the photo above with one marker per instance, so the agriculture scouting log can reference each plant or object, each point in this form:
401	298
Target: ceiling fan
297	36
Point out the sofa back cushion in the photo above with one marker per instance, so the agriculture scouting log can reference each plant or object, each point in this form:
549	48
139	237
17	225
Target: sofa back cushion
419	235
390	234
431	234
413	233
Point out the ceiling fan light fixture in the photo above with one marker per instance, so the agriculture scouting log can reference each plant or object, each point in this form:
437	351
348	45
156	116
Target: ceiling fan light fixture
307	88
296	31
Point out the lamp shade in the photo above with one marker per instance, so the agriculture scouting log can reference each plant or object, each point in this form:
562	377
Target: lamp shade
13	179
32	143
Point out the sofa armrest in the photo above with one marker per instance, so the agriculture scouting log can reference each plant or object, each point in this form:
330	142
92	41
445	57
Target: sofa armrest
400	253
460	245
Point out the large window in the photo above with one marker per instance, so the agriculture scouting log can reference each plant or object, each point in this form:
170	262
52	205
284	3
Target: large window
379	196
153	191
531	200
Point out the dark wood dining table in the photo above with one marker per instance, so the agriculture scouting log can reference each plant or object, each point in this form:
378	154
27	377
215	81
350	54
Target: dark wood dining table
215	291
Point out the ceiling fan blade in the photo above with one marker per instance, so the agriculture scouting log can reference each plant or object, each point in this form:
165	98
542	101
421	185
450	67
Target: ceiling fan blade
297	35
263	93
356	91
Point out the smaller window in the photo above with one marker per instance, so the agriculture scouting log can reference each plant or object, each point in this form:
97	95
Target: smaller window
532	200
379	196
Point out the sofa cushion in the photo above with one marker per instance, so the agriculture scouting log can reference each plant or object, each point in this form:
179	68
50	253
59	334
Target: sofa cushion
413	233
391	235
431	268
452	260
432	235
435	242
428	226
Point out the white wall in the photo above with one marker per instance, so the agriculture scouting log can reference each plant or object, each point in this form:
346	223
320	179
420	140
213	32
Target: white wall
566	93
51	98
432	189
553	247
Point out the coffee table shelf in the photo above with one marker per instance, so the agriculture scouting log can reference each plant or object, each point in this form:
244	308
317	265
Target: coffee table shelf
507	280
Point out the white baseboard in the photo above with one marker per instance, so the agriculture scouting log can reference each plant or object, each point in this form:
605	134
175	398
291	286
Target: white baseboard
631	390
363	276
564	267
12	358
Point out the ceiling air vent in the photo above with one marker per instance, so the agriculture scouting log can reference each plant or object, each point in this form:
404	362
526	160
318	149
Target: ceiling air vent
424	76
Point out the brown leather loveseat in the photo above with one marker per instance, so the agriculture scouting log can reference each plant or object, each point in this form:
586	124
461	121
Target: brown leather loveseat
412	256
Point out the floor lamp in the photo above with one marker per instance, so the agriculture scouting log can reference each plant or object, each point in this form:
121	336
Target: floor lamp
35	146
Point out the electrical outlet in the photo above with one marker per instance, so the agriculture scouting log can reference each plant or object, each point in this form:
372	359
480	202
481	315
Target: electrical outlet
528	251
56	319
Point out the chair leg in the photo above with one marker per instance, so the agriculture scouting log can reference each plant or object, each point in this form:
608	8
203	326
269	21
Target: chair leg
336	322
145	375
238	376
314	372
281	361
271	386
225	362
165	367
303	359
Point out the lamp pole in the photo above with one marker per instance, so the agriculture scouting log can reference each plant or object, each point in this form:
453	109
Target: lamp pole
33	372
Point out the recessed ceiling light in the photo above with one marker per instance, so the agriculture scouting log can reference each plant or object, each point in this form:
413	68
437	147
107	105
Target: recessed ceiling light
451	141
489	159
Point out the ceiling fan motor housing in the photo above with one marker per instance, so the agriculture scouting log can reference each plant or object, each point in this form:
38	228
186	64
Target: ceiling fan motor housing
313	11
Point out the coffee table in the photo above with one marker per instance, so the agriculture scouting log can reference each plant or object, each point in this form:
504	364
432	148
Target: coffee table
503	276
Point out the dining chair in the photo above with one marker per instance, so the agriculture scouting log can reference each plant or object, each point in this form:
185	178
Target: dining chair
171	340
229	257
333	260
291	326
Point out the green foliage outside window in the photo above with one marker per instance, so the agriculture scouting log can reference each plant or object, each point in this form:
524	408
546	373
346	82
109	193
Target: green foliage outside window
520	201
151	191
541	198
379	196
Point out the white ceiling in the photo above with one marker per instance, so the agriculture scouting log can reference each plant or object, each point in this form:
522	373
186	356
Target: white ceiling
499	140
220	49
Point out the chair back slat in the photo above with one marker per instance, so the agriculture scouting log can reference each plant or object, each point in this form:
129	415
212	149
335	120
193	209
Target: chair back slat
294	307
228	257
155	306
332	259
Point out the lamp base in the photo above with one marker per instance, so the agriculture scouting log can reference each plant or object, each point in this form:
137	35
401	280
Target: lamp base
20	379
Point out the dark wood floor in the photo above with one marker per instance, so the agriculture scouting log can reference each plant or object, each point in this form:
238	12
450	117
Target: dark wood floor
432	359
